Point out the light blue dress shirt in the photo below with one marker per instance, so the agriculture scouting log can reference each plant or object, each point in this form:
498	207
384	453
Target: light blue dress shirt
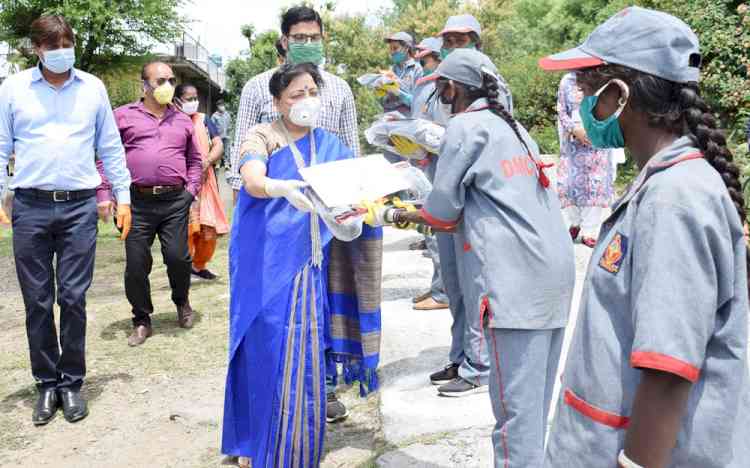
56	133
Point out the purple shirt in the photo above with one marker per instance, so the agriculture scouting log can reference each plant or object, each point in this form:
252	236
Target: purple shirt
160	152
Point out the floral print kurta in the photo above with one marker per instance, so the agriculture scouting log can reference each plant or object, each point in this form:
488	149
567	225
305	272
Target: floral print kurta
584	174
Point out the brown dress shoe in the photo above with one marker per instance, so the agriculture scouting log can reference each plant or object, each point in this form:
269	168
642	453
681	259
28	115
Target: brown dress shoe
139	335
185	315
430	304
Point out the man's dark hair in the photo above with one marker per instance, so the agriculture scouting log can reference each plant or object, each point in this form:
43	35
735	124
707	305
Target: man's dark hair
287	73
299	14
50	30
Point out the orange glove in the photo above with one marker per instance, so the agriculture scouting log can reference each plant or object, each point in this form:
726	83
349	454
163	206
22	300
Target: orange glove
3	217
124	220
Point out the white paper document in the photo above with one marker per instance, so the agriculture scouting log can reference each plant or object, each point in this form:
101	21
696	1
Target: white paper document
352	181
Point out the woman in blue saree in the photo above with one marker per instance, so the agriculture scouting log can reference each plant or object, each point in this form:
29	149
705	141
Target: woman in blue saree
280	254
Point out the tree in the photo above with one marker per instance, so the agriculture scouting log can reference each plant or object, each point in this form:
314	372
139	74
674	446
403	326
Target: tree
259	58
108	31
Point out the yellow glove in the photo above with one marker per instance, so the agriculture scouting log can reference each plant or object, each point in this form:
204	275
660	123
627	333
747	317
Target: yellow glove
404	146
376	213
389	88
406	207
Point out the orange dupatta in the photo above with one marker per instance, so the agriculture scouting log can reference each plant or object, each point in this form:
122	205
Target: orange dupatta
207	213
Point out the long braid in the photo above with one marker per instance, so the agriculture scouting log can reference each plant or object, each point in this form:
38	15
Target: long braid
704	132
492	93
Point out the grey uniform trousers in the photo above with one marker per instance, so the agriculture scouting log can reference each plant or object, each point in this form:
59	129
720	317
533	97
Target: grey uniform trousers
522	378
468	348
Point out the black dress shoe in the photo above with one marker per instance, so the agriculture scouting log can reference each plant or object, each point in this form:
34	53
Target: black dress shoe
73	405
46	407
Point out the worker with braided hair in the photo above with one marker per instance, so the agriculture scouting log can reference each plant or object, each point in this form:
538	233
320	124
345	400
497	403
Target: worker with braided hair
657	375
515	256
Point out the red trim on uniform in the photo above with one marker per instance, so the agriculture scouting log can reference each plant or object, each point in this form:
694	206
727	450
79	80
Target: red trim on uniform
502	398
550	64
677	160
594	413
662	362
437	222
467	247
427	79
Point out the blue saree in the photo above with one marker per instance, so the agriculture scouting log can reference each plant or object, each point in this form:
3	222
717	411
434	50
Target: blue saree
281	337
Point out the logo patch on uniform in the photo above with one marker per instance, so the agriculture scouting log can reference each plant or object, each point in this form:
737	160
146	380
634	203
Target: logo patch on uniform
614	254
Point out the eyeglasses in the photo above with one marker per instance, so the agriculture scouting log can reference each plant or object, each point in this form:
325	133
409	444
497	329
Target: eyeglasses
160	81
304	38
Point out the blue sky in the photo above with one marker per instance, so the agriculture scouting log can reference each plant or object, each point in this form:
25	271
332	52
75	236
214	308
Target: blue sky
217	22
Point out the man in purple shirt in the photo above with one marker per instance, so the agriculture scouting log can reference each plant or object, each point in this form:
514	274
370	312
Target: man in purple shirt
165	166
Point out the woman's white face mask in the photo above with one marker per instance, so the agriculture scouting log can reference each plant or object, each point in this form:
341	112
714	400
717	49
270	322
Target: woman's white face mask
305	112
190	107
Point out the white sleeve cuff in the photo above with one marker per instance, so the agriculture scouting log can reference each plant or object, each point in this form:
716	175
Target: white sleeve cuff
123	197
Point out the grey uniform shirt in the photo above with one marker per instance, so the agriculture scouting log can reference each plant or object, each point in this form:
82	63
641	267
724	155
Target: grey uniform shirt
666	289
517	258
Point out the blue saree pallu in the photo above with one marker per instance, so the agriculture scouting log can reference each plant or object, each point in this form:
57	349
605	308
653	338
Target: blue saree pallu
274	409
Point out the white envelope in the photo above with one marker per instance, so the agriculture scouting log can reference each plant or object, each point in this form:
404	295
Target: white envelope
352	181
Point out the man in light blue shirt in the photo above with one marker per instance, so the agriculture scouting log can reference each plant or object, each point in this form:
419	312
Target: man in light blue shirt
56	119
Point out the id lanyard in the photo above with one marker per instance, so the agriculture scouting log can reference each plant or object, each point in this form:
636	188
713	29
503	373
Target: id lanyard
317	247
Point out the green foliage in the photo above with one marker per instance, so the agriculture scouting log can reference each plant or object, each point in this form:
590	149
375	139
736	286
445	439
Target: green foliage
261	57
109	31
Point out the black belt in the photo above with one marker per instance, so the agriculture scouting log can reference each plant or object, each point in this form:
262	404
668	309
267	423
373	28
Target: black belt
157	189
57	195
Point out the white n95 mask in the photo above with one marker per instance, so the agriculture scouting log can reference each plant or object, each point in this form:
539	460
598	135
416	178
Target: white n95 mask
305	112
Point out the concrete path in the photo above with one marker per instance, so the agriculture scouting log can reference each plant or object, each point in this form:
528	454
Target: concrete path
422	429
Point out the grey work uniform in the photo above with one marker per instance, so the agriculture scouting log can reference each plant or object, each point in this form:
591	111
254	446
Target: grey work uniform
426	105
516	267
407	74
666	289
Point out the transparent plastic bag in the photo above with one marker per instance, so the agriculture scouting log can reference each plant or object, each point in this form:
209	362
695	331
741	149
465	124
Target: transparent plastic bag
419	185
426	134
345	223
374	80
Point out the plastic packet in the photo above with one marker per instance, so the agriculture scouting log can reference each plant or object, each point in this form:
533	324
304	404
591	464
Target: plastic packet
374	80
419	185
426	134
345	223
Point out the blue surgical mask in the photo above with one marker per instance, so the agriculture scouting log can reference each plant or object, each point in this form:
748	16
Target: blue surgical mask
398	57
59	60
605	133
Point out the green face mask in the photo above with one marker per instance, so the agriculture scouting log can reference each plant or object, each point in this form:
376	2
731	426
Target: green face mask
427	72
306	52
445	52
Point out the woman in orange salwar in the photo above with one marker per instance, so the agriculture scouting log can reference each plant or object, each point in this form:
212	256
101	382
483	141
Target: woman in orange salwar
208	219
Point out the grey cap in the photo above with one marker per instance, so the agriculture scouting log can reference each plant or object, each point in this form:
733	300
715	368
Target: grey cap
462	24
430	45
646	40
401	37
467	66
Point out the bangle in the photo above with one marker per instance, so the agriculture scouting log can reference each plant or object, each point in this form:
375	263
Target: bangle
626	462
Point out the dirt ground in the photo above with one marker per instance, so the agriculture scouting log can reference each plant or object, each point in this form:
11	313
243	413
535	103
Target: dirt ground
159	405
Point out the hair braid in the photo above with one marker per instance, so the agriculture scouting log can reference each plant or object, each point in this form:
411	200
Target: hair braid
492	93
702	128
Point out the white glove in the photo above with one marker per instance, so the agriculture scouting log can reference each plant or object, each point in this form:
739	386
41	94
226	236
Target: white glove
289	189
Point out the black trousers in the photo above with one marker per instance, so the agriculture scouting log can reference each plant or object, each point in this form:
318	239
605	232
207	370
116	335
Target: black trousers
164	215
65	232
